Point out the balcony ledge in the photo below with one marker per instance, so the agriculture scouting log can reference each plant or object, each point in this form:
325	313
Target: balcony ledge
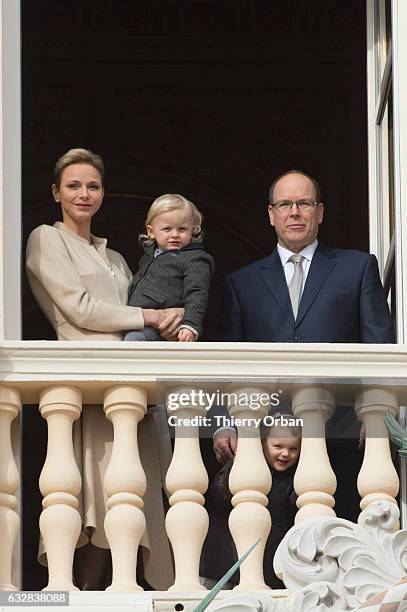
163	601
96	365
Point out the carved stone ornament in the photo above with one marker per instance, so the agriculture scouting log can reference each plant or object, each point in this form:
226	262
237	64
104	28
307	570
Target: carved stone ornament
333	564
252	602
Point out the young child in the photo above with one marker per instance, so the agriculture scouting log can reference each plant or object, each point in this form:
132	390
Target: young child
281	447
175	270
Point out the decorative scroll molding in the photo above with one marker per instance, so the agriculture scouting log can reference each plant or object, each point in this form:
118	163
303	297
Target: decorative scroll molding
251	603
338	565
323	596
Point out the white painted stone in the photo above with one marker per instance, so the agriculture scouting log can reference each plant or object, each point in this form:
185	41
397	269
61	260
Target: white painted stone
337	565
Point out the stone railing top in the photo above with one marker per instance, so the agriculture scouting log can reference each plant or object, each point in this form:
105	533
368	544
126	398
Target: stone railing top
95	365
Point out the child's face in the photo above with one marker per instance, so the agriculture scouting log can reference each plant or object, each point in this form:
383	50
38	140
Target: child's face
172	230
281	453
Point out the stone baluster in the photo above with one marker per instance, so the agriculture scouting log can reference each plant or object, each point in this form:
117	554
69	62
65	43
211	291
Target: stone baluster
60	483
10	404
314	481
249	483
377	478
186	481
125	484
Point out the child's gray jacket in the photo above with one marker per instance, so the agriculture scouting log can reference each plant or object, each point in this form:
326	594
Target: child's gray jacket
173	279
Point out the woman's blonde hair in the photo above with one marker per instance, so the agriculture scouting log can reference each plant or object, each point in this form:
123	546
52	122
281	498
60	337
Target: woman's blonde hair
78	156
167	203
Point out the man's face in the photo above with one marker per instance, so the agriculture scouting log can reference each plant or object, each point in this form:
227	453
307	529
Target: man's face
296	228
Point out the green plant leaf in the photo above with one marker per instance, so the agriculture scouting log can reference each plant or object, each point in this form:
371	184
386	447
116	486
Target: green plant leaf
218	586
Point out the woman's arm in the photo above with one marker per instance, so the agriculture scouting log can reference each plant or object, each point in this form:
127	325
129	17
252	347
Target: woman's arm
55	280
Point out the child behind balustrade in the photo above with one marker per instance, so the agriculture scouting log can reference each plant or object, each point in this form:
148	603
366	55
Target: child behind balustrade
281	448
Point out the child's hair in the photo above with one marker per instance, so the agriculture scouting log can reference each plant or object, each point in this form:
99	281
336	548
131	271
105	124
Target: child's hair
167	203
279	429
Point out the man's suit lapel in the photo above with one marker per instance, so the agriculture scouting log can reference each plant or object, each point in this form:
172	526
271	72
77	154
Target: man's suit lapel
272	273
323	262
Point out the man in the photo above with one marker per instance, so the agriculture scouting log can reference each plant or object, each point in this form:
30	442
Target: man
303	292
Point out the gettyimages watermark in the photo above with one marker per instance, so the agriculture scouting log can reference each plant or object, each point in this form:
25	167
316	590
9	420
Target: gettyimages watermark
208	406
249	400
221	421
205	405
208	399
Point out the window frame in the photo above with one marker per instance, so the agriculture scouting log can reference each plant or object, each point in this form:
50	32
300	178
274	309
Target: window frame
387	148
10	170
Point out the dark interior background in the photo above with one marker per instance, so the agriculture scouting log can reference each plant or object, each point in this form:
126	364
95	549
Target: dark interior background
208	98
211	99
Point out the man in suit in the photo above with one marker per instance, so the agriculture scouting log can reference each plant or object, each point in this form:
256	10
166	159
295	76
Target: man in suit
303	291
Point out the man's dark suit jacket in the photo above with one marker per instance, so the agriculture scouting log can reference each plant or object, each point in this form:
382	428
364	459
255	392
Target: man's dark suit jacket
343	301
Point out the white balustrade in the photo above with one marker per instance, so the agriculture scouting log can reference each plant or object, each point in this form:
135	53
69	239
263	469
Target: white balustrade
60	484
378	479
125	484
186	481
250	478
249	482
10	405
314	481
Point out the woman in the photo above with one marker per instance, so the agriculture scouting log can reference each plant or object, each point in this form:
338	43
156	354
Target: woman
81	286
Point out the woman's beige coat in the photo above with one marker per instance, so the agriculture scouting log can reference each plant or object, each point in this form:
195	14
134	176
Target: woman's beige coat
82	290
81	287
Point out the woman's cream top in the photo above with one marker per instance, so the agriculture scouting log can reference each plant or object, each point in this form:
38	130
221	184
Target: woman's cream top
81	287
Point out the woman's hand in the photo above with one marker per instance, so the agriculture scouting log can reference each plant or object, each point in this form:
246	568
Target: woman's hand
166	321
168	328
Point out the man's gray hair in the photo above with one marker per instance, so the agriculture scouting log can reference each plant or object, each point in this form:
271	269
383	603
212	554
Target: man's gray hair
313	181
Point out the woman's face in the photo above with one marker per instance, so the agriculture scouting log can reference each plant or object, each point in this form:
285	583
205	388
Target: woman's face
80	194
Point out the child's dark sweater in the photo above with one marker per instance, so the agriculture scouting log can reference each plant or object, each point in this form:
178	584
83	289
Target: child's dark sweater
219	552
